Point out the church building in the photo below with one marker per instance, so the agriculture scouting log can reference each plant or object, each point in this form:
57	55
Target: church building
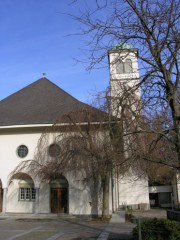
25	115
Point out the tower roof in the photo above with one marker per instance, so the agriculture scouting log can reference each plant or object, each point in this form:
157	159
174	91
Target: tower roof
41	102
123	45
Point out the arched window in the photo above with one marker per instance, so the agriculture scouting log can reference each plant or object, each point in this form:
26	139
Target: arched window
120	67
27	190
128	66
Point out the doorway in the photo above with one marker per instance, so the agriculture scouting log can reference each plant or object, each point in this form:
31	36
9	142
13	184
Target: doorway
59	195
154	200
59	200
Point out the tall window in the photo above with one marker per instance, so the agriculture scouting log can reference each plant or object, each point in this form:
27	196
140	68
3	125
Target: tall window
124	67
120	67
128	66
27	194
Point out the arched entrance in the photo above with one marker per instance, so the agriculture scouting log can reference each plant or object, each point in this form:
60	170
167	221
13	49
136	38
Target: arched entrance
21	194
59	195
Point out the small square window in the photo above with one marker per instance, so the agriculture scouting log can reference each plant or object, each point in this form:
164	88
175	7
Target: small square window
22	193
33	194
27	194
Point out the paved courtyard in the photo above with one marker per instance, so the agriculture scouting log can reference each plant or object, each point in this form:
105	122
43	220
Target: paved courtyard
70	228
62	229
50	229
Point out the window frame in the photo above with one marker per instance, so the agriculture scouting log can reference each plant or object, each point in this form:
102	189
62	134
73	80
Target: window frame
128	66
124	66
22	151
27	194
56	152
119	67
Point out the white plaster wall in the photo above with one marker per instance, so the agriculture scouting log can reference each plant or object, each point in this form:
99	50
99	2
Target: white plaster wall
44	198
133	190
8	152
79	201
79	195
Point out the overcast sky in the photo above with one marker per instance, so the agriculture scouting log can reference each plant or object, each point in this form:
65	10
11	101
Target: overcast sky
33	40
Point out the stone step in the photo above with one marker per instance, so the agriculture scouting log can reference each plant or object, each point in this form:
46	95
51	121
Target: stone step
118	217
36	216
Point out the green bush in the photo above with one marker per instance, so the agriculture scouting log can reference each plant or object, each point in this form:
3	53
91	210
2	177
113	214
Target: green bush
158	229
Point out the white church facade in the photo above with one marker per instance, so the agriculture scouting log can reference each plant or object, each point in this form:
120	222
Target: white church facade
24	116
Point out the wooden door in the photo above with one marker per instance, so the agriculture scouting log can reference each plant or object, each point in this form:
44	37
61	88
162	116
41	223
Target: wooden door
59	200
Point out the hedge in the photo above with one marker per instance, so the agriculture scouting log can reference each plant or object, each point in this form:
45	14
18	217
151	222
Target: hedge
158	229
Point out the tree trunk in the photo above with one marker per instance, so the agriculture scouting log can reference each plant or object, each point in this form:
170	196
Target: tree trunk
172	96
95	196
177	126
105	197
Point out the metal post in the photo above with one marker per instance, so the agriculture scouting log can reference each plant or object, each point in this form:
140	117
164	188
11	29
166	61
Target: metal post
172	199
139	229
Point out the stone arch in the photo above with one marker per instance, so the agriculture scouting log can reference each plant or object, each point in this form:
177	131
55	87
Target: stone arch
59	188
21	193
20	175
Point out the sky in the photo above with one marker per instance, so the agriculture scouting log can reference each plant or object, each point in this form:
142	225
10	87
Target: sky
34	39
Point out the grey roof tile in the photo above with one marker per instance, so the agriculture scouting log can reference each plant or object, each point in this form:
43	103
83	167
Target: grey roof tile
41	102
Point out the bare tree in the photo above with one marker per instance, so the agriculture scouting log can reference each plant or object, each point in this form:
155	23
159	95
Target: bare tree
153	27
86	152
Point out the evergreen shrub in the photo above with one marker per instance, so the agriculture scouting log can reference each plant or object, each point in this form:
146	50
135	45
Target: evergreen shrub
158	229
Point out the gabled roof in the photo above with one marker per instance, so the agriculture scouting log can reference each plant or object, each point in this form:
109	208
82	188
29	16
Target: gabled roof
42	102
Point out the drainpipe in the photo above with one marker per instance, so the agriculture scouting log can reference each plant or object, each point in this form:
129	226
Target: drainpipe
112	190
